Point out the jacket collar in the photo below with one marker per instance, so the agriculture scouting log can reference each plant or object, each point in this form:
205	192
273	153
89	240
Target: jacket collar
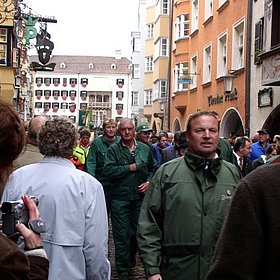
196	162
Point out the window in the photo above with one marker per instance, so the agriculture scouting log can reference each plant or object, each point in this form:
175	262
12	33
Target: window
64	82
47	106
3	46
38	92
135	98
136	71
91	66
38	81
136	44
181	77
55	93
83	106
56	81
163	48
38	105
119	95
55	105
207	64
64	105
47	81
162	7
194	71
73	81
149	65
83	94
47	93
182	26
150	30
275	29
84	81
148	97
208	10
113	66
72	94
161	89
258	39
195	14
222	56
238	46
119	106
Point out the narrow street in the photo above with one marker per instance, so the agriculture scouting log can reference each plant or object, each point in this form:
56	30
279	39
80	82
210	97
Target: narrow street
138	271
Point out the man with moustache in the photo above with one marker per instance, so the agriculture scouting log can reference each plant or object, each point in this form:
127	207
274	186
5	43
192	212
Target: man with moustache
184	208
130	165
96	156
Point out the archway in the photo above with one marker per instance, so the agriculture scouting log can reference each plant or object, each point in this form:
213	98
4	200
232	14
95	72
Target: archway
272	123
231	123
176	126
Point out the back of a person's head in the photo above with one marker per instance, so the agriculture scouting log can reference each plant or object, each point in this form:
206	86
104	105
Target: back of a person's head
57	138
34	127
12	134
12	140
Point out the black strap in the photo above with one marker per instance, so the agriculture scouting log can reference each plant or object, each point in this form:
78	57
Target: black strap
180	250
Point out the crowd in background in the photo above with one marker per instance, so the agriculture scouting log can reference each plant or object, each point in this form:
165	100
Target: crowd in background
167	195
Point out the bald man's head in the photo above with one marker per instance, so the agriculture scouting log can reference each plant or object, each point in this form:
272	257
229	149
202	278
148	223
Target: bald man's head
34	127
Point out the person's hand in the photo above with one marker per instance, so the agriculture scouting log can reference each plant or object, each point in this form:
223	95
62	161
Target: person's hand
133	167
143	187
155	277
32	240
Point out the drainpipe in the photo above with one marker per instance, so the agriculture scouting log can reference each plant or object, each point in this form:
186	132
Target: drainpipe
169	64
248	67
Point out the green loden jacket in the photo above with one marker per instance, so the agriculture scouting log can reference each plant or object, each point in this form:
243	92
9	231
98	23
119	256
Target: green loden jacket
125	182
182	215
96	159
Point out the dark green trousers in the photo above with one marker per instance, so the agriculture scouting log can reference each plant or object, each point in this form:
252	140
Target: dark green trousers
125	215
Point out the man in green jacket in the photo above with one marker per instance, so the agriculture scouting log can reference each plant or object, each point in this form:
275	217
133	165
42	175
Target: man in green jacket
96	156
183	211
130	165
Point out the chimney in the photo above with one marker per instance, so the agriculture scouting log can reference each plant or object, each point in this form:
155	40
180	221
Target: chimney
118	54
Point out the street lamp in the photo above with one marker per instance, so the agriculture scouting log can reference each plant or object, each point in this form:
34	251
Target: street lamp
228	81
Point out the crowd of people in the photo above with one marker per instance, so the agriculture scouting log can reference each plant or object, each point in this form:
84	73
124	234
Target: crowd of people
184	201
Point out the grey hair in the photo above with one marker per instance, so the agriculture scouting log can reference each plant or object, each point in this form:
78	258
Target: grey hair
57	138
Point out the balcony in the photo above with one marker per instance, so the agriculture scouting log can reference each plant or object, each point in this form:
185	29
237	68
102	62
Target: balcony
99	105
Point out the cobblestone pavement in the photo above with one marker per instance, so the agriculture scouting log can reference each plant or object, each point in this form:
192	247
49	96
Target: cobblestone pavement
137	272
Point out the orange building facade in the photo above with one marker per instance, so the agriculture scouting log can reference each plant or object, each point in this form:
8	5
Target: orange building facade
208	50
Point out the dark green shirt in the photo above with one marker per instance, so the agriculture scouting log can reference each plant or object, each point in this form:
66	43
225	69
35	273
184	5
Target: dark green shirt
125	182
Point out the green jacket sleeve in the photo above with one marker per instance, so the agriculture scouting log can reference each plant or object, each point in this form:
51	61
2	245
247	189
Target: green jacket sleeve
149	234
91	160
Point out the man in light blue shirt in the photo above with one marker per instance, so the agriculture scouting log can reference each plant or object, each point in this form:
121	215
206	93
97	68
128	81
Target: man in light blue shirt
71	203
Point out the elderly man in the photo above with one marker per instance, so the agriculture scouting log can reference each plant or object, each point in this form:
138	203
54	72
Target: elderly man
183	211
32	153
130	165
71	202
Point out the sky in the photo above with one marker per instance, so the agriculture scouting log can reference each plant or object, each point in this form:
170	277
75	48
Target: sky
89	27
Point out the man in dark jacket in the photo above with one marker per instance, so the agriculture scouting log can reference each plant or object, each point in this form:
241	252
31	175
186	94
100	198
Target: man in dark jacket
183	211
241	155
130	165
249	245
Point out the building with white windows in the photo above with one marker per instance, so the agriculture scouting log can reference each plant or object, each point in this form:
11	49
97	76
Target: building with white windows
86	89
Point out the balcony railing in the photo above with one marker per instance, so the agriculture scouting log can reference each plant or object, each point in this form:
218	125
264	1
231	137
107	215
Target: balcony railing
99	104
